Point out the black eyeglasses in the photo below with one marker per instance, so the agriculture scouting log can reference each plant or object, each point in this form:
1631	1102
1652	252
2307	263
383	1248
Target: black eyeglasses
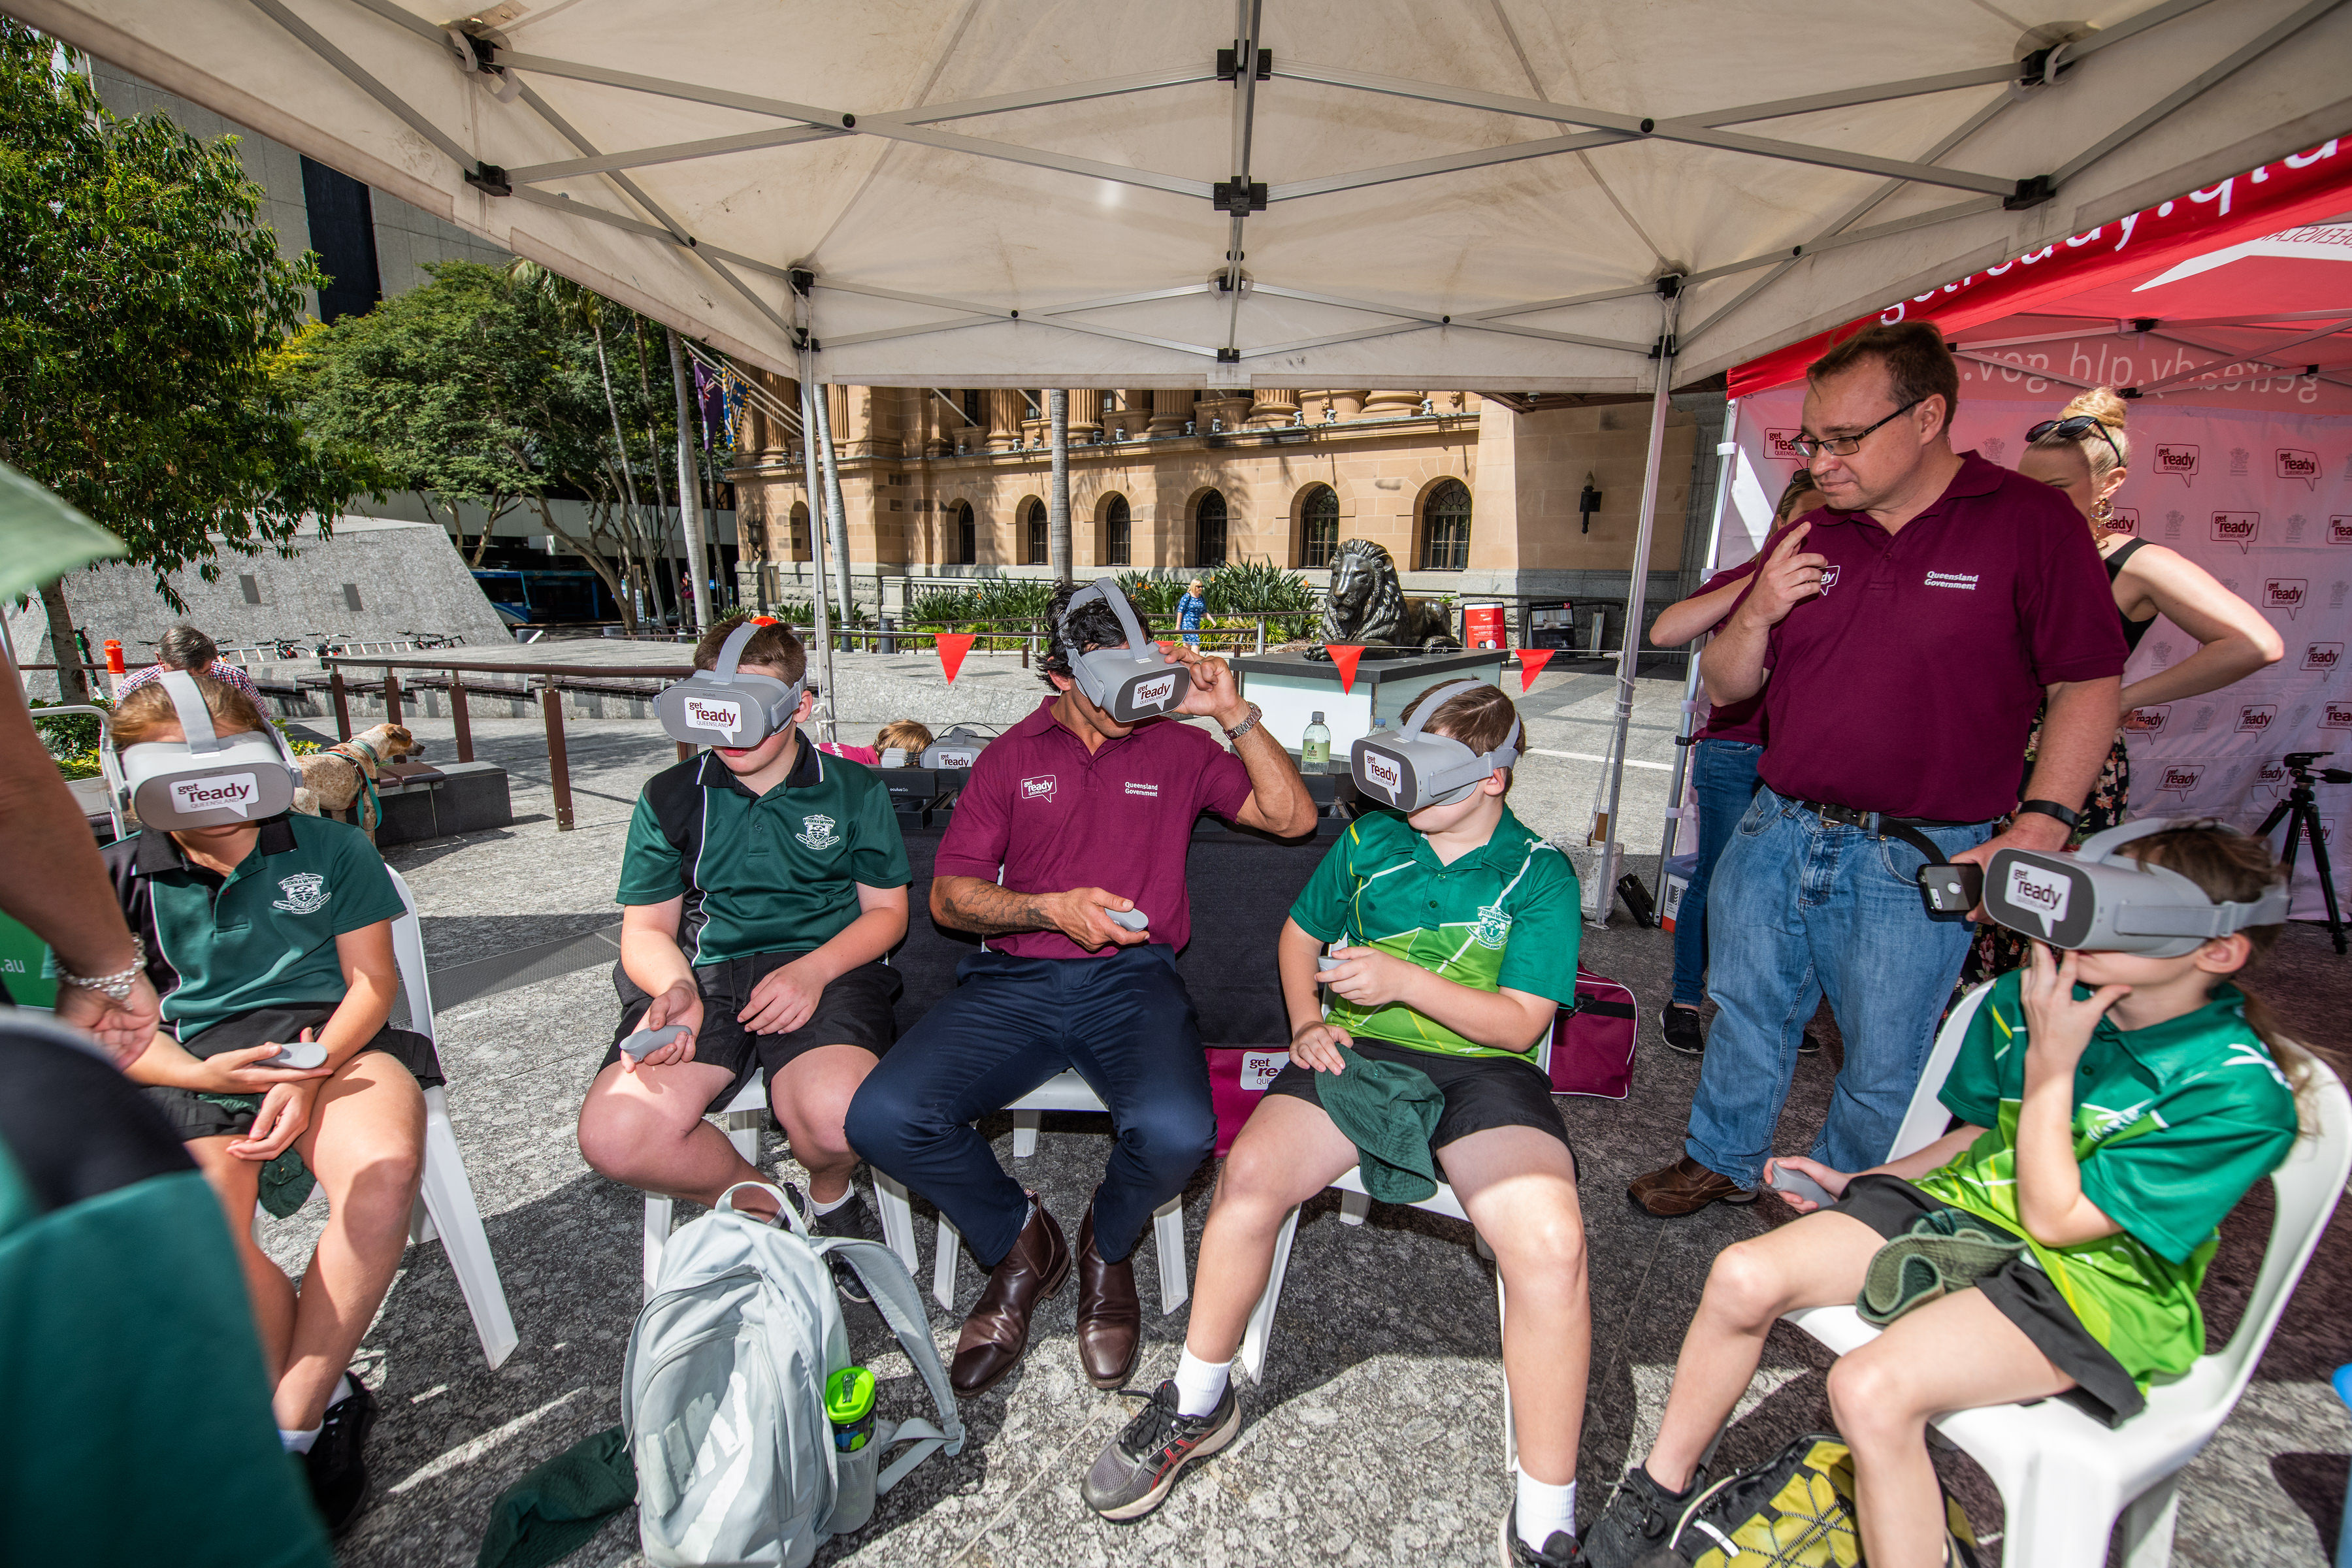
2074	428
1846	446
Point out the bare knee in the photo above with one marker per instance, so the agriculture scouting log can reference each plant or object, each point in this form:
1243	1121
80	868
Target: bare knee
1872	1398
1747	1286
377	1179
617	1131
1546	1246
815	1123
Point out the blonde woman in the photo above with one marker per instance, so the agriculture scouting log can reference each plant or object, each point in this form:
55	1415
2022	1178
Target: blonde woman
2085	454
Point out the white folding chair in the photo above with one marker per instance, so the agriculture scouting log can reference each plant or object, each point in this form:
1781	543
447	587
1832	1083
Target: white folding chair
1064	1092
2064	1477
1355	1206
445	1201
741	1120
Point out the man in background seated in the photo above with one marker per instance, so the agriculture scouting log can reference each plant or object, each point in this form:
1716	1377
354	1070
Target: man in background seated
184	648
1069	816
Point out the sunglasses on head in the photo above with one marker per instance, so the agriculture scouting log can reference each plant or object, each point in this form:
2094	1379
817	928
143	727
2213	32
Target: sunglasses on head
2074	426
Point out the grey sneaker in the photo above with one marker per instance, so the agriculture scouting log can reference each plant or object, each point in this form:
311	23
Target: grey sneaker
1635	1521
856	1220
1560	1548
1143	1462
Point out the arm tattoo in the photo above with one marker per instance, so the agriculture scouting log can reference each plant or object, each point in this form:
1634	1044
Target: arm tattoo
984	908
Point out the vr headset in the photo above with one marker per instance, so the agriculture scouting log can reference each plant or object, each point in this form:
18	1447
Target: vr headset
207	779
726	705
1131	683
2100	898
958	747
1408	769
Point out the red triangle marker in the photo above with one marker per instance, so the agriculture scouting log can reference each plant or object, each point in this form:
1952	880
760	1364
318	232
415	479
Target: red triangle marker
1532	660
953	646
1344	656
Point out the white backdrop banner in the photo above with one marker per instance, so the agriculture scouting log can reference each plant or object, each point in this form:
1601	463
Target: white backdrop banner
2260	496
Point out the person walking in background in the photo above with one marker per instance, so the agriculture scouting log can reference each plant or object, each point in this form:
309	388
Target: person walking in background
1723	769
1909	630
2084	456
184	648
1189	611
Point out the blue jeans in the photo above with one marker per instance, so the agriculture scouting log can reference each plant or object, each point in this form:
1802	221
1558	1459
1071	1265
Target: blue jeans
1803	909
1123	1022
1723	773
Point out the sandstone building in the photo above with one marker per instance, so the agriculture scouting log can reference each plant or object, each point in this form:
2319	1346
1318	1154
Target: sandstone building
1474	496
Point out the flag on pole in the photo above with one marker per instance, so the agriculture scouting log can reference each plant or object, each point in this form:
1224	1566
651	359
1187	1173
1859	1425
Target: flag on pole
1344	656
953	646
1531	660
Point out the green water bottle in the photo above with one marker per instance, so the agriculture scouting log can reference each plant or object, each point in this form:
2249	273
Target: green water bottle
849	1402
1315	746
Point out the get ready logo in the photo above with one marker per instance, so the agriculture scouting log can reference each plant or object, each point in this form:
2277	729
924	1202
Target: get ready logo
2147	720
1039	788
2296	463
2323	657
2175	460
2285	594
2124	520
2179	778
2044	893
1781	446
2255	718
2238	528
2335	715
2339	528
217	792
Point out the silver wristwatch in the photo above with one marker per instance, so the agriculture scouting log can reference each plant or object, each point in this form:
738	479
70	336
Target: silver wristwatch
115	987
1246	725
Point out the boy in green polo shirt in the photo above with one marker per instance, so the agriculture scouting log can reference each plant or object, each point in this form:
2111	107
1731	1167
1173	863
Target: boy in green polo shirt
761	890
1457	929
2111	1109
258	934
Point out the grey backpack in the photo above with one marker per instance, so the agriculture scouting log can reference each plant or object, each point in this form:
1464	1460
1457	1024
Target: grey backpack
723	1393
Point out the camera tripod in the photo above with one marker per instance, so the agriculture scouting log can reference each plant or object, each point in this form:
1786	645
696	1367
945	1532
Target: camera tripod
2300	812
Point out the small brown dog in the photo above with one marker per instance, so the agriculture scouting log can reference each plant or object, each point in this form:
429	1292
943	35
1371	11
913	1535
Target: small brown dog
334	778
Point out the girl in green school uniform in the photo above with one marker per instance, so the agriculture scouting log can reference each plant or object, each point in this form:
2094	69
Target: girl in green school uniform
258	934
2109	1110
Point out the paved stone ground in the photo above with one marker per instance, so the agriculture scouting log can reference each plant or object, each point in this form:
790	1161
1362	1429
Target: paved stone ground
1377	1437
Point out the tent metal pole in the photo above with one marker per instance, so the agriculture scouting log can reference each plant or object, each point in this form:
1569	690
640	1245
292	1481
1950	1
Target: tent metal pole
1727	450
1612	852
836	524
811	486
1058	519
690	489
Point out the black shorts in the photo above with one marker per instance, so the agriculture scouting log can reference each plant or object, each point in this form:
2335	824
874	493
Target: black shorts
2026	1296
194	1115
855	1009
1481	1092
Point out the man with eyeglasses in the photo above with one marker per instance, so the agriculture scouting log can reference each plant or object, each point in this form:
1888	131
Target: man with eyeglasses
1903	637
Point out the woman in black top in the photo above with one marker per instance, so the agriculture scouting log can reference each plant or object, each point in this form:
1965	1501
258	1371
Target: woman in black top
2084	453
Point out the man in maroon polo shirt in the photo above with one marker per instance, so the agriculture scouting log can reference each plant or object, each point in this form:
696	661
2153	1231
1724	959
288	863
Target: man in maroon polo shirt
1070	818
1903	637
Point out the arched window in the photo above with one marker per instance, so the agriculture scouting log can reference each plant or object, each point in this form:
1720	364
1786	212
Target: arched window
1035	547
799	542
1118	533
1446	528
966	542
1318	527
1209	531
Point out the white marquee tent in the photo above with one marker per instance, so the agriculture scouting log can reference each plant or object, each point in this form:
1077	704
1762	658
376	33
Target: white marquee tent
1481	195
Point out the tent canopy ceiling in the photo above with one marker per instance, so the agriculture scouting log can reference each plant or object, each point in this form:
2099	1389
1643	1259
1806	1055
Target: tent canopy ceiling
1476	193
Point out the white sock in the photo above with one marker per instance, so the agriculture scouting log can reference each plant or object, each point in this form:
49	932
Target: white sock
1544	1509
1200	1384
846	1194
298	1442
342	1391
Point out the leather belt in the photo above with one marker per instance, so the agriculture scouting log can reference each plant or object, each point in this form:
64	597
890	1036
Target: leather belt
1872	821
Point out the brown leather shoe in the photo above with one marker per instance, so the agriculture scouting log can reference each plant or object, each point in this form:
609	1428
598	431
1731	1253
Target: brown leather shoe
1110	1323
997	1332
1685	1187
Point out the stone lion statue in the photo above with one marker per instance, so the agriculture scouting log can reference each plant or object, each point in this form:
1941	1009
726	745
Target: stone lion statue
1368	604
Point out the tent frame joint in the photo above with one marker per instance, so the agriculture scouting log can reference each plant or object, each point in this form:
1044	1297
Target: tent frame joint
2037	190
489	179
1229	63
1234	196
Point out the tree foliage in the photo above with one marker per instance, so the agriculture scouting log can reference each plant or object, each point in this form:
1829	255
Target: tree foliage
141	306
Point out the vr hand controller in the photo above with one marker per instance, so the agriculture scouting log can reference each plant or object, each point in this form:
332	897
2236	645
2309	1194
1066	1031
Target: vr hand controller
1798	1185
644	1042
299	1055
1133	919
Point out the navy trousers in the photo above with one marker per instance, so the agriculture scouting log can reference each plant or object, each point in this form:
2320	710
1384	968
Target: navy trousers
1123	1022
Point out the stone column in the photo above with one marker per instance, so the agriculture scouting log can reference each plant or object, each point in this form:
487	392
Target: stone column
1005	408
1086	416
1170	410
1392	404
1135	410
1273	406
1349	404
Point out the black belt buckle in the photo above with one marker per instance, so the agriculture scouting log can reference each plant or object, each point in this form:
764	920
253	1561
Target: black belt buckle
1842	816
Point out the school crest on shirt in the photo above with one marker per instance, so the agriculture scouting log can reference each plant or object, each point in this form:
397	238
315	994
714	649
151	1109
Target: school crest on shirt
817	833
306	893
1494	927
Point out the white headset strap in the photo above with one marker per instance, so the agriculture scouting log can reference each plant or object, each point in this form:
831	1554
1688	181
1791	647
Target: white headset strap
1107	590
195	718
1427	705
730	652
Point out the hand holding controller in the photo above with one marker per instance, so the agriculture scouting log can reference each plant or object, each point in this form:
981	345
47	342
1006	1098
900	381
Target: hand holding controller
301	1056
1797	1185
1133	919
1324	961
644	1042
